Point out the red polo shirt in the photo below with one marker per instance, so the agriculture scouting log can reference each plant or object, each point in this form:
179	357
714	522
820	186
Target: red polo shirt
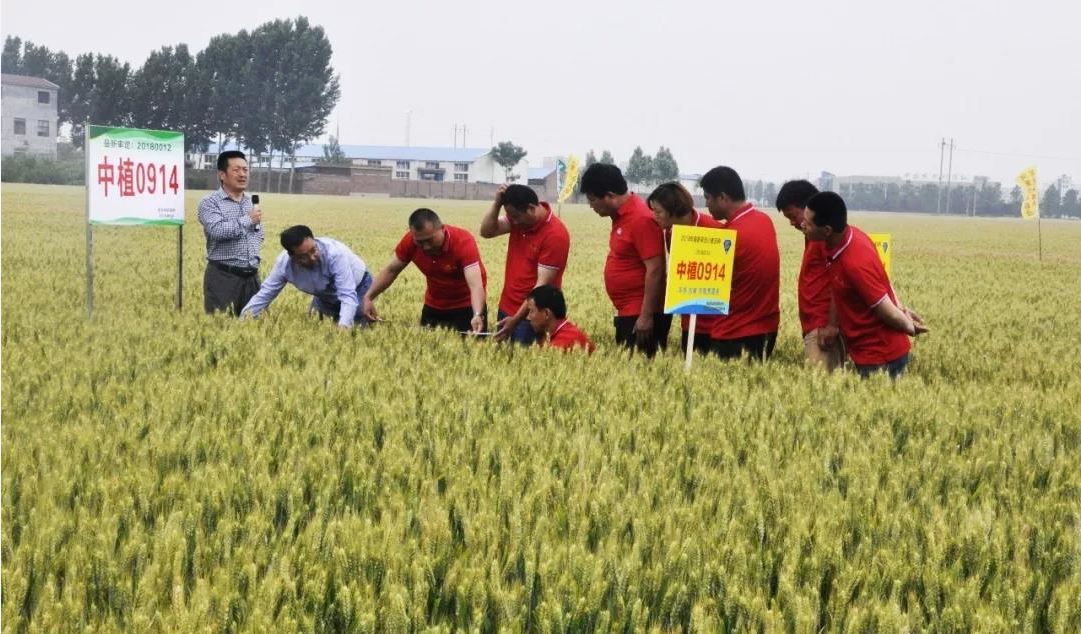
704	324
635	238
567	336
545	244
859	283
814	287
445	273
756	278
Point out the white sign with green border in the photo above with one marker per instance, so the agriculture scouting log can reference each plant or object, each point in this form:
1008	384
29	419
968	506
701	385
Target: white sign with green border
134	177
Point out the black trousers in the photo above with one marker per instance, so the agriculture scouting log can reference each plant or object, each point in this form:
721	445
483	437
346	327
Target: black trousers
226	291
454	318
757	347
625	336
702	342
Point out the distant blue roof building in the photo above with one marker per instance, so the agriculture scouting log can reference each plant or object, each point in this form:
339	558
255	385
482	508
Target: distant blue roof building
461	165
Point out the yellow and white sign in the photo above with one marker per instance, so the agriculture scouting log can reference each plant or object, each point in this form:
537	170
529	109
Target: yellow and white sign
884	246
700	271
1030	205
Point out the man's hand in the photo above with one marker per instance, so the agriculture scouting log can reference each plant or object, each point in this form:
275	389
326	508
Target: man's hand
256	216
643	330
477	323
504	327
368	309
499	194
827	337
918	327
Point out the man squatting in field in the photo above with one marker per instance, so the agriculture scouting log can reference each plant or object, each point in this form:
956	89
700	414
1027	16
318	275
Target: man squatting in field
634	270
322	267
538	246
456	293
234	236
875	326
547	314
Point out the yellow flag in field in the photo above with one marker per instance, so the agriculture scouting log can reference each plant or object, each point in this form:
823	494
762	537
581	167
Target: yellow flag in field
571	178
1030	205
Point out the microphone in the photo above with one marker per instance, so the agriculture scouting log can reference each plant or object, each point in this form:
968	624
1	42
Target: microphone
255	204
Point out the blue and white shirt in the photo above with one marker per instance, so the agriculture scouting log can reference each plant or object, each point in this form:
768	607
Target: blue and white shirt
333	281
231	238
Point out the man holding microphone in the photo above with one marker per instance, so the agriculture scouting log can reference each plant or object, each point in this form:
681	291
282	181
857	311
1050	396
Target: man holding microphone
233	225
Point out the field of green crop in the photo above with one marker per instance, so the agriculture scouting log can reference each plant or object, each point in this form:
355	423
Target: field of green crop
168	472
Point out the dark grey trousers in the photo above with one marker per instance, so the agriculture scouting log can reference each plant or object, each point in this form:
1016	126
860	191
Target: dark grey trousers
227	291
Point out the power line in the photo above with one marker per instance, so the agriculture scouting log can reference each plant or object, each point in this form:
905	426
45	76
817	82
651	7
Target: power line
1035	156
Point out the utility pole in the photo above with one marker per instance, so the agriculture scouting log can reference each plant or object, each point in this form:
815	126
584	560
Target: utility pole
941	156
949	177
463	135
455	135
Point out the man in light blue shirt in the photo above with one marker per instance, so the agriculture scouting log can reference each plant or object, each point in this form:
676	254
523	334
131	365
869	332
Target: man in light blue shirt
322	267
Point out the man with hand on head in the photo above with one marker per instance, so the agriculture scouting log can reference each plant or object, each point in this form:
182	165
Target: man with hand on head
547	315
234	237
876	329
755	308
634	271
821	345
322	267
448	257
673	205
537	250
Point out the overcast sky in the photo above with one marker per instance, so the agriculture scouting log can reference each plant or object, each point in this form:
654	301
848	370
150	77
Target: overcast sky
774	89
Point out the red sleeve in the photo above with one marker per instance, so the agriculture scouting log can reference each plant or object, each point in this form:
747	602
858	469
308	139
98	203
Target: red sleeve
468	254
868	277
554	250
648	238
405	249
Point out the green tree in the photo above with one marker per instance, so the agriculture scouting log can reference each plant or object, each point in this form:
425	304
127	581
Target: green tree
769	195
166	94
665	167
99	94
302	84
507	155
640	167
606	158
332	153
1070	204
591	158
1052	200
11	61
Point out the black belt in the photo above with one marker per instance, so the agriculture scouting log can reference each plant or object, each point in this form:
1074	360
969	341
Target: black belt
242	271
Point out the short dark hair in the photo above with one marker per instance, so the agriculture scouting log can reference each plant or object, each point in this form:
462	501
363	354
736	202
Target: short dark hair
223	158
423	216
723	180
295	236
520	197
795	193
829	211
674	197
551	298
601	179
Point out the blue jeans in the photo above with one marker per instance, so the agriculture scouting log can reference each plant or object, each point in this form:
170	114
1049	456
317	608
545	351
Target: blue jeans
893	368
333	310
523	333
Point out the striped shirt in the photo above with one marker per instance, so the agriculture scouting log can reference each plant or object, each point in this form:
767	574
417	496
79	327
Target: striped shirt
231	238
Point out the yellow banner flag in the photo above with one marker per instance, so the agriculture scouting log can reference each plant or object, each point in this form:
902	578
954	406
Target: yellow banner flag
571	179
1030	206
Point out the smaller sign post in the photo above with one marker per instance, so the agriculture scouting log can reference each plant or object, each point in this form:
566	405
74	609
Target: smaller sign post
133	177
884	246
700	269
